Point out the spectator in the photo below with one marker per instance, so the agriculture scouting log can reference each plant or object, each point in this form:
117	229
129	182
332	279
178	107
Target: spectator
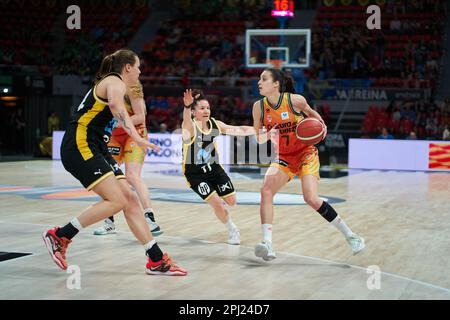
163	128
446	134
412	136
385	134
52	123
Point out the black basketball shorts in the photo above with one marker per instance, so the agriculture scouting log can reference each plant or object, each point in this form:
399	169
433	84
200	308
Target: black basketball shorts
90	163
205	185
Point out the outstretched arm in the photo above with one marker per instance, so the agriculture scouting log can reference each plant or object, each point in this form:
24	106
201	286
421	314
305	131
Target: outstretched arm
235	130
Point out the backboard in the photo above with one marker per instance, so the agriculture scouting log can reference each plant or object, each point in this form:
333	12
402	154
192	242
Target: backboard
292	46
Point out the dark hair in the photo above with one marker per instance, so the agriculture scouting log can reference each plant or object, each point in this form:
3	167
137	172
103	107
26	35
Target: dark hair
115	62
285	79
198	95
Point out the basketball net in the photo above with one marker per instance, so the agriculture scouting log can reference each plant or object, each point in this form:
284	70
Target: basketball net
277	63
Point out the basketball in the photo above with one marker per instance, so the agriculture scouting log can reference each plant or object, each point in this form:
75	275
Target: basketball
310	131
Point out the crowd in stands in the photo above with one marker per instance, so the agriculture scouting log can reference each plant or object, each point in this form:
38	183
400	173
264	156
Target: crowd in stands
207	38
35	33
409	120
204	39
403	53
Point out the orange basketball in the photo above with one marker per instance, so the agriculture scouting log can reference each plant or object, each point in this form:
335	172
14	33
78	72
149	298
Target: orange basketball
310	131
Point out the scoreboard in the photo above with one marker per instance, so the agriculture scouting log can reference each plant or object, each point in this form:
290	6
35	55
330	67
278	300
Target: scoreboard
283	8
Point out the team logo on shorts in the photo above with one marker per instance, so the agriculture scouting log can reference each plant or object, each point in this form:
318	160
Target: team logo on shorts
225	186
203	189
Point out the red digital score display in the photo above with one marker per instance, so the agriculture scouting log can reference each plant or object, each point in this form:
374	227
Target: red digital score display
283	8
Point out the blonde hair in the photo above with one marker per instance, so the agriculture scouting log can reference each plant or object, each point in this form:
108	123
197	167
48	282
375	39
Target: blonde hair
137	91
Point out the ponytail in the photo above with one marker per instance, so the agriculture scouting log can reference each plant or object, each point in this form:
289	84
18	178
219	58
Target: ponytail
285	79
115	62
289	85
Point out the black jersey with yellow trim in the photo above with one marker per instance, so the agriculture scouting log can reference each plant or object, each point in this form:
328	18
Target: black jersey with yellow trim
200	154
94	114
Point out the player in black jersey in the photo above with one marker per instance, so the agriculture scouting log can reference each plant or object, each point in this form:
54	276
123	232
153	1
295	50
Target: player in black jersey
201	166
84	153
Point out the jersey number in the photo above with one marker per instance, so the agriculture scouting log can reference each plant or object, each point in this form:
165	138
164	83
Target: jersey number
81	106
287	139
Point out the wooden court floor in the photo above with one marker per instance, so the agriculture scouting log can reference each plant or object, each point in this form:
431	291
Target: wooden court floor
403	216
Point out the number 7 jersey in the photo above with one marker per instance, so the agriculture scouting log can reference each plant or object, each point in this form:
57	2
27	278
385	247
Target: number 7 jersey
283	115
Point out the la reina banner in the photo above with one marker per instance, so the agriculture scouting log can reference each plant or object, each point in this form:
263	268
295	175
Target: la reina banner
368	94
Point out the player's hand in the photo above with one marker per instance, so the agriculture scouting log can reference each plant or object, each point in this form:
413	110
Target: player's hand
144	144
325	131
272	135
187	98
154	147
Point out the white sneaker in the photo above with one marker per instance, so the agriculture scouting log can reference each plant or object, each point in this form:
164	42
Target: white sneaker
356	243
154	228
107	228
264	250
234	237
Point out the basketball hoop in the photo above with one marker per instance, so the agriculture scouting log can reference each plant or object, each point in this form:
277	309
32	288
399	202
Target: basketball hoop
277	63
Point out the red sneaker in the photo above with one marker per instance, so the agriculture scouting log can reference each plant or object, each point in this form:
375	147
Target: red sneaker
57	247
165	267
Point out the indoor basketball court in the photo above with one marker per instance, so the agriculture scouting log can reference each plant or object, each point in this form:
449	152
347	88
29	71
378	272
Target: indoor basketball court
375	80
405	225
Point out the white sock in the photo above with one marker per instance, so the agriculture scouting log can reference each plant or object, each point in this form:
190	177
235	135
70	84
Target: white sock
76	224
267	232
230	224
148	210
149	245
341	226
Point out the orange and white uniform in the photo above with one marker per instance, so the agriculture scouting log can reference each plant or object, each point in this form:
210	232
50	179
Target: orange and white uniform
292	156
121	146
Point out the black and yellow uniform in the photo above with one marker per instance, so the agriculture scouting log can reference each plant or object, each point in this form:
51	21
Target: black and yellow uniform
201	166
84	150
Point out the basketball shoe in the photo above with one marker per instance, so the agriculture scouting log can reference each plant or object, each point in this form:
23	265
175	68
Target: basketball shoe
264	250
164	267
154	228
107	228
234	237
56	246
356	242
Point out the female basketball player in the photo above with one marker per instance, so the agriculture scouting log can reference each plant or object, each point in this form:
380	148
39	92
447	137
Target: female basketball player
124	149
85	155
201	166
280	111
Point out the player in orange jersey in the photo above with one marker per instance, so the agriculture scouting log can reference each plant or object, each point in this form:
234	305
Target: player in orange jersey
275	117
125	150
